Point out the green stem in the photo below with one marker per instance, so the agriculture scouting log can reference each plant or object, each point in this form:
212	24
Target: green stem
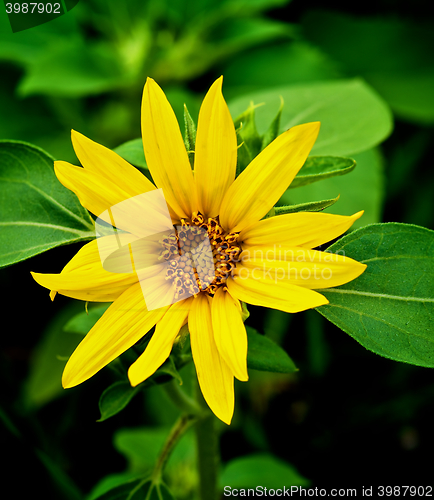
208	458
181	425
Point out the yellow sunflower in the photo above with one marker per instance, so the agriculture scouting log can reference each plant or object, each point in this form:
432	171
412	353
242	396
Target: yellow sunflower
267	262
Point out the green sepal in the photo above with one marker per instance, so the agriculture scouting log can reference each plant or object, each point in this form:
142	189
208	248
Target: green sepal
274	128
317	168
265	355
313	206
245	313
248	139
389	309
115	398
190	135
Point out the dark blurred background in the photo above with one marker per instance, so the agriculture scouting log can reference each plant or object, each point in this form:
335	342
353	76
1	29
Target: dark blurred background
348	417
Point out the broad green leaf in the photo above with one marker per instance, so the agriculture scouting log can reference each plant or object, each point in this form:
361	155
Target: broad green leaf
265	355
115	398
36	212
389	309
84	321
277	65
353	117
402	69
132	151
361	189
48	361
313	206
317	168
262	470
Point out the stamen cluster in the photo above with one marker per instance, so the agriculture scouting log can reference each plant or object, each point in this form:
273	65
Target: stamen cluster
201	256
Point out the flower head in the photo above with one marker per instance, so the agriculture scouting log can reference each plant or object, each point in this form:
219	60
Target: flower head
268	262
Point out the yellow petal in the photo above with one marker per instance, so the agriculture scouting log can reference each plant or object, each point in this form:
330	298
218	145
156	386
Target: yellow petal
95	192
165	152
302	267
215	377
303	229
84	277
268	292
257	189
230	333
109	165
160	345
215	152
124	323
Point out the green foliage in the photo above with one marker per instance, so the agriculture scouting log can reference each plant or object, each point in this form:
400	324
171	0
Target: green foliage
353	117
314	206
361	189
404	75
265	355
389	309
282	64
261	469
49	358
115	398
249	141
317	168
138	489
132	151
37	212
84	321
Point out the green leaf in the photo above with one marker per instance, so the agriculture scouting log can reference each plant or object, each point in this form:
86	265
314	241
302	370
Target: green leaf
317	168
37	213
189	136
142	445
168	368
402	69
361	189
115	398
132	152
260	469
314	206
389	309
265	355
76	69
84	321
279	64
353	117
138	489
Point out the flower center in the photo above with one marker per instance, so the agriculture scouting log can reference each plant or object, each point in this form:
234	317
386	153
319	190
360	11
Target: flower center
201	256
